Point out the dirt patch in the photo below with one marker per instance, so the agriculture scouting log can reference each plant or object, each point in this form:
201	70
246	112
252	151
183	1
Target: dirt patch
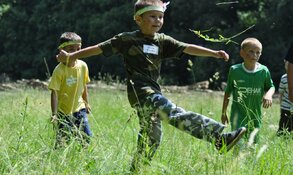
24	83
38	84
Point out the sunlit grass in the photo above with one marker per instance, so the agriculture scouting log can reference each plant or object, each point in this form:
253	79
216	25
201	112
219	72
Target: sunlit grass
27	138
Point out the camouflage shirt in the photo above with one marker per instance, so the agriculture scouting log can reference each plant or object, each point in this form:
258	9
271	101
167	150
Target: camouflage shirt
143	56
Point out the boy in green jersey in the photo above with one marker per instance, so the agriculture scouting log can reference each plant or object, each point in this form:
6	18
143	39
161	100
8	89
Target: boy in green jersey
251	86
143	51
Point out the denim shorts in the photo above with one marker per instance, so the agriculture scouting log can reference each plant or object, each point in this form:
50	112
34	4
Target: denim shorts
75	125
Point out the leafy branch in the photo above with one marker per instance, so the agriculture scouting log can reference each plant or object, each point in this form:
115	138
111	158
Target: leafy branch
3	9
221	38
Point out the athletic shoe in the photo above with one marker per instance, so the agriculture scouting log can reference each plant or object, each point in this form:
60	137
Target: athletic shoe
227	140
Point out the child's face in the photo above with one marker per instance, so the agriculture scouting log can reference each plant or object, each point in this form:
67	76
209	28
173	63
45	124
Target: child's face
251	53
72	48
150	22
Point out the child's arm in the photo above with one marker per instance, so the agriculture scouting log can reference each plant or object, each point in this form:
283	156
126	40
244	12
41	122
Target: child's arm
85	99
281	90
86	52
268	98
54	105
224	117
195	50
281	96
290	81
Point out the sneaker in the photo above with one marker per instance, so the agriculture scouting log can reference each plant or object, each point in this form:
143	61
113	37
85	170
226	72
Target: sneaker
227	140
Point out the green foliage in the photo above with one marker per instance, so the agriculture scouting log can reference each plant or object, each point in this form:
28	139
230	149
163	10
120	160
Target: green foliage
29	32
3	9
32	30
221	38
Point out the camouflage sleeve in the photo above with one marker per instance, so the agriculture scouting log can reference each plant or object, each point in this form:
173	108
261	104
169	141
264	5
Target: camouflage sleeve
171	47
110	46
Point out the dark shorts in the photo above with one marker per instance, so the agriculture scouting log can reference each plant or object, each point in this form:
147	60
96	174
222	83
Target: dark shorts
286	122
75	125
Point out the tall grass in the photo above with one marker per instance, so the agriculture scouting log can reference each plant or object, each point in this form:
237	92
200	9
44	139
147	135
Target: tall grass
27	138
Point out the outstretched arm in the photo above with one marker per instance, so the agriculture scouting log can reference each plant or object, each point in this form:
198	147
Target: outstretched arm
196	50
86	52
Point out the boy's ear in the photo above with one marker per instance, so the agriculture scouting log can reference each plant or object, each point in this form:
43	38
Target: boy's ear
137	19
241	53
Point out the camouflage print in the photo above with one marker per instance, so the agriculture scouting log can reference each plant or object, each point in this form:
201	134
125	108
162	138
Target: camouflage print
157	108
142	59
150	133
143	56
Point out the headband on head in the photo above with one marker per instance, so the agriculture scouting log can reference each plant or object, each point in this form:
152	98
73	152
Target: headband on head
152	7
68	43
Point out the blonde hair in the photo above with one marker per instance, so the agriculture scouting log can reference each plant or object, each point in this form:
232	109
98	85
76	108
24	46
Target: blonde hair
249	41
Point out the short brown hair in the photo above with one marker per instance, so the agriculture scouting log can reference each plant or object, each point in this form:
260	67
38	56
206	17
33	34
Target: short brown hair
144	3
69	36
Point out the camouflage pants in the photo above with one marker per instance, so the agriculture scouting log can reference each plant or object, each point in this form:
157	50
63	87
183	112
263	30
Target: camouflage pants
157	108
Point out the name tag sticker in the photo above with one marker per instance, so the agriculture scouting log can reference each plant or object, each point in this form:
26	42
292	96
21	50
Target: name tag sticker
152	49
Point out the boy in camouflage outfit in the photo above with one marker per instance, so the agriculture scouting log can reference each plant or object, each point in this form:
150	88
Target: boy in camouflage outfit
143	51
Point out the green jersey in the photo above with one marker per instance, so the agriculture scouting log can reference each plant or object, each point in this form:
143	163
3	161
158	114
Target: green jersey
143	56
247	88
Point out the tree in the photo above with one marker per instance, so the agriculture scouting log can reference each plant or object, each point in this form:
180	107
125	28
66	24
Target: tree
29	32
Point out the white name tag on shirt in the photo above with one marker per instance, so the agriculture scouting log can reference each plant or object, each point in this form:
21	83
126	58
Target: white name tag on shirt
152	49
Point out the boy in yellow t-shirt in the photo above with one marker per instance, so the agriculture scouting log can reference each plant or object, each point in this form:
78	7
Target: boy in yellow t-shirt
69	96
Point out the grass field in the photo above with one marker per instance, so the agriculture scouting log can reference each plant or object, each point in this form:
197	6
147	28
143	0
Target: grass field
26	139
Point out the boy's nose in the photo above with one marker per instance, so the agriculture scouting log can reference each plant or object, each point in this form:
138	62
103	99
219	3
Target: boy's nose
255	54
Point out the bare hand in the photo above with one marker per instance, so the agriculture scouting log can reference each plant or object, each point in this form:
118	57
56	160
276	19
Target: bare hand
88	108
54	119
225	119
267	102
62	56
222	54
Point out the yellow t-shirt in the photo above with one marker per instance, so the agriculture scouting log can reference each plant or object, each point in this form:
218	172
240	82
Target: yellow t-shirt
69	82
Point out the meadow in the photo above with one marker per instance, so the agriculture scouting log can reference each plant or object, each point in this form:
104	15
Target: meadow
27	138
